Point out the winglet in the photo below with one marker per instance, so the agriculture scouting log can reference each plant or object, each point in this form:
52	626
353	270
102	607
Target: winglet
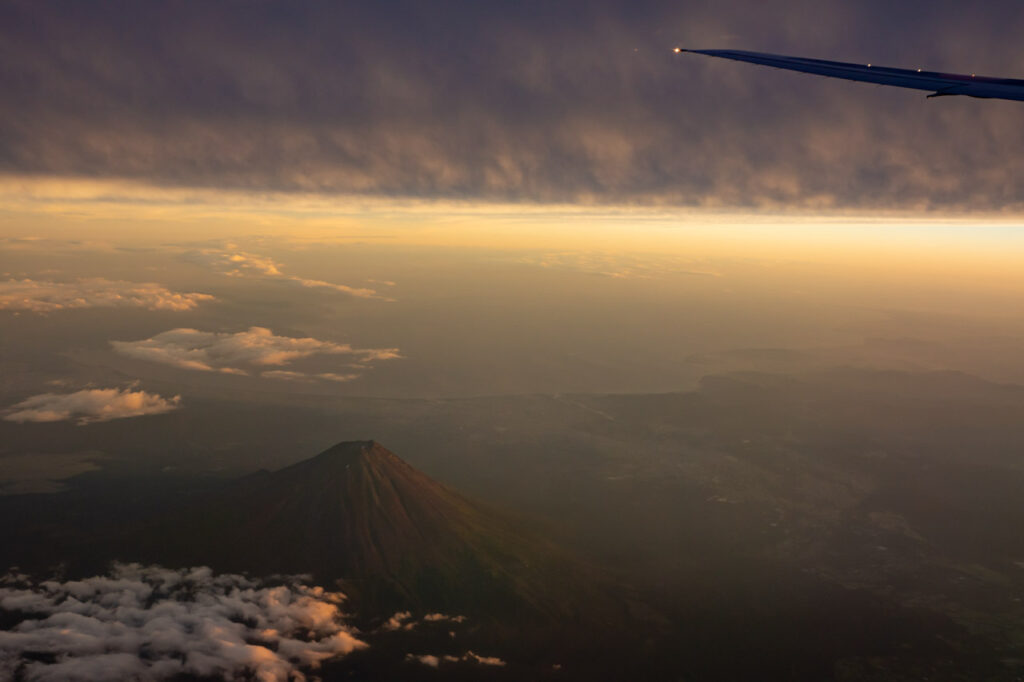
957	89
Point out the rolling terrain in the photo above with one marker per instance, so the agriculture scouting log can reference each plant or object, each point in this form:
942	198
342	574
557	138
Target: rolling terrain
843	524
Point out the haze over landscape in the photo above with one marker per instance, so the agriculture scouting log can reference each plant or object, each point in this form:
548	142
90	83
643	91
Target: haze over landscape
497	341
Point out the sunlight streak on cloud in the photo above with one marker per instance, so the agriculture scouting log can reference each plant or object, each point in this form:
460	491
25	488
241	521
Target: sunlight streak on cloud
236	263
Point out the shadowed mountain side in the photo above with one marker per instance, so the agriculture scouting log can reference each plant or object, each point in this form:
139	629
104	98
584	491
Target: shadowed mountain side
394	536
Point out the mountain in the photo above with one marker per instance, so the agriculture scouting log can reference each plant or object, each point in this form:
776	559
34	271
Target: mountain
395	537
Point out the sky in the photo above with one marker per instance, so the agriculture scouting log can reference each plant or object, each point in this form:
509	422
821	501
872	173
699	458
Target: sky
256	201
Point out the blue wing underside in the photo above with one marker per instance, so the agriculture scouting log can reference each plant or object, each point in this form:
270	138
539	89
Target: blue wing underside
938	84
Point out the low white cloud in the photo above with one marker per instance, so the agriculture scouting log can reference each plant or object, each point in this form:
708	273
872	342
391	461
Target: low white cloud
232	261
404	620
154	623
468	657
41	296
90	405
425	659
441	617
482	660
400	621
358	292
249	352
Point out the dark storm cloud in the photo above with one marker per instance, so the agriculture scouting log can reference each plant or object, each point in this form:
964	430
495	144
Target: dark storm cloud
538	101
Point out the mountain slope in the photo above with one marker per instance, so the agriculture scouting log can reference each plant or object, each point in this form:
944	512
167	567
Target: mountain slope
397	538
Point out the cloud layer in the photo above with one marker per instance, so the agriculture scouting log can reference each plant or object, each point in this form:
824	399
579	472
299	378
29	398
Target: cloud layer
156	623
535	101
250	352
90	405
43	296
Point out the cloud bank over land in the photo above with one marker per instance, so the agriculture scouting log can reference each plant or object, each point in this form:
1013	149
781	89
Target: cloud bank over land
42	296
249	352
90	405
156	623
524	102
232	261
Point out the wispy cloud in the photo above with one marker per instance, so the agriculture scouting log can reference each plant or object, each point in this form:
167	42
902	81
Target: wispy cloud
42	296
156	623
90	405
286	375
237	263
249	352
617	265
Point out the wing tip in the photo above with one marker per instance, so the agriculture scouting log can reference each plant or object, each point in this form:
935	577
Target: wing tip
712	53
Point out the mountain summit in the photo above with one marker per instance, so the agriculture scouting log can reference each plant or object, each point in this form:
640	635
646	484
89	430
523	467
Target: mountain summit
395	537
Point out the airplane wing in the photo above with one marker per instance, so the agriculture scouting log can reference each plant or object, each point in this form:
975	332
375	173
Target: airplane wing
940	84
